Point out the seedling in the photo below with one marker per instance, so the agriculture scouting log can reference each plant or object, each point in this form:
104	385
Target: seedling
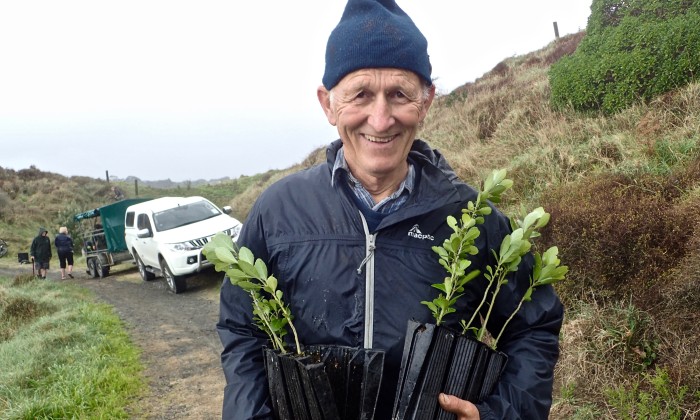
455	249
270	313
453	256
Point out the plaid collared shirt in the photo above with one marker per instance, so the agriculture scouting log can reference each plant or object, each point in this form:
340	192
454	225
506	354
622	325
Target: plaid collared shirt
387	205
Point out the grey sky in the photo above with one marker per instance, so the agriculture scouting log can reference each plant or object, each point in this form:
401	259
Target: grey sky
211	88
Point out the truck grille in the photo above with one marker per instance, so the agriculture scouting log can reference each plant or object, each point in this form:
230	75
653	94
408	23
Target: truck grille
199	243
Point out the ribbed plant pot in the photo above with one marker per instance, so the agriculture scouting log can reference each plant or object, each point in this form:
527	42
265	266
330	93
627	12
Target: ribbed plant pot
327	383
436	360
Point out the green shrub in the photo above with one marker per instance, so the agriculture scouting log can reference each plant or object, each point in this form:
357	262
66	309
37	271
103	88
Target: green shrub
633	50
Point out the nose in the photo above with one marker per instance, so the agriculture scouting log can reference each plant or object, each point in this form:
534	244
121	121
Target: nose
380	115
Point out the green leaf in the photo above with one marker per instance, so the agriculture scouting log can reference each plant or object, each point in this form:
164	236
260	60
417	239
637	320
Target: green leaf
261	269
440	251
439	286
246	285
247	268
236	275
430	306
452	222
245	254
223	255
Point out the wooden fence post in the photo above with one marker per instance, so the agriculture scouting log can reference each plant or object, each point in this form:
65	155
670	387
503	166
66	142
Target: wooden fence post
556	30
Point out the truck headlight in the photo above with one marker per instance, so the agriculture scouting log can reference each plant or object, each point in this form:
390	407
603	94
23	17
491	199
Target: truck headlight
183	246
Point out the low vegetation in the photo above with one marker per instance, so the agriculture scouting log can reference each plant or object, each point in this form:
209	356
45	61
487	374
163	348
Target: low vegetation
62	356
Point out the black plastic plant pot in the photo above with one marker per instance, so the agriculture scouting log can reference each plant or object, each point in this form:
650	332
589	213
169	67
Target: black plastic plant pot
326	383
436	360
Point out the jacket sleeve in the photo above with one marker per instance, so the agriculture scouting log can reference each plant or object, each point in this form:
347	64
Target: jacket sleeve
531	342
246	394
32	248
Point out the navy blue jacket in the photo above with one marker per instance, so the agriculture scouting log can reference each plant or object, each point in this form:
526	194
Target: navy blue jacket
313	238
64	243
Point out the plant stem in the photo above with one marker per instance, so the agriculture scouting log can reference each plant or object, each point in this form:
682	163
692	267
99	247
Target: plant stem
498	276
276	340
287	315
478	308
503	328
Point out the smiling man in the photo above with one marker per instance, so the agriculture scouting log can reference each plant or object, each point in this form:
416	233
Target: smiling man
351	240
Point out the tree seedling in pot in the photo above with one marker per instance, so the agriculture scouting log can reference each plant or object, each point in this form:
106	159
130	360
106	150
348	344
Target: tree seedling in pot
270	313
455	251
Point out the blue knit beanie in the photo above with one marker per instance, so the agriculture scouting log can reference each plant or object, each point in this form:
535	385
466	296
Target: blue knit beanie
375	34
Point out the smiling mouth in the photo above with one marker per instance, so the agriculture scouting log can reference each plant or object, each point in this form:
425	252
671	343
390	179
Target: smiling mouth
375	139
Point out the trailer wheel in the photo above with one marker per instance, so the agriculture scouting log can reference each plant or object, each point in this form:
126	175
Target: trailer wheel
92	269
3	248
102	270
176	284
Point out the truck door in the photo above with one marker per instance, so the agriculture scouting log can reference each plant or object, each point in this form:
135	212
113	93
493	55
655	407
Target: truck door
146	247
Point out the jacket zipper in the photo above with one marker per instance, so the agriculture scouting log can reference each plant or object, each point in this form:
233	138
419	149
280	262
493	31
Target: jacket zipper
368	264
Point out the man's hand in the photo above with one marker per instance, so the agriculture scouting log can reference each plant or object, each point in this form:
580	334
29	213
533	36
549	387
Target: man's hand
463	409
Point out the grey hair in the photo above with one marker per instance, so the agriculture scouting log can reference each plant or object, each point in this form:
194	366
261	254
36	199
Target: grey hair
63	229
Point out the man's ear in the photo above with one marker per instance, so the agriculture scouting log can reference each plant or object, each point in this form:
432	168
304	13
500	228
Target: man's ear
324	98
428	101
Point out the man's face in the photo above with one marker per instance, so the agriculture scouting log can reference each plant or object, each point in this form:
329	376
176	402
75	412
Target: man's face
377	113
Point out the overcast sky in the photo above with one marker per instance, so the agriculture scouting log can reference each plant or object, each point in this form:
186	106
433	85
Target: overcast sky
212	88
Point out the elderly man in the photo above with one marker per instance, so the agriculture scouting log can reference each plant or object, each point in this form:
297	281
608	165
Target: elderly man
338	236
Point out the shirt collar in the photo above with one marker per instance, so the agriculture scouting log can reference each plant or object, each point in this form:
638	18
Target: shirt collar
341	166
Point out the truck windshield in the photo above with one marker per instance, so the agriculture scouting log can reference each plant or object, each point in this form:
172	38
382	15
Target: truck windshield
184	215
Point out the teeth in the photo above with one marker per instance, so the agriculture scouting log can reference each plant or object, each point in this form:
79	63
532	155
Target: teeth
379	139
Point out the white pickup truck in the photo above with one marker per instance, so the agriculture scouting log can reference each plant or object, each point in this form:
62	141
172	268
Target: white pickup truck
165	236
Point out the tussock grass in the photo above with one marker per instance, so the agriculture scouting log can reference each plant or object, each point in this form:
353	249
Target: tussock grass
70	359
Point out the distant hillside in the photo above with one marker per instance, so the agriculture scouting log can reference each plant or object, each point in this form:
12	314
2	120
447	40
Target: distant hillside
168	184
30	198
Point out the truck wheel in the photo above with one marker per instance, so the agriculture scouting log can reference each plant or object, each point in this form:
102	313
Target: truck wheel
92	270
176	284
145	274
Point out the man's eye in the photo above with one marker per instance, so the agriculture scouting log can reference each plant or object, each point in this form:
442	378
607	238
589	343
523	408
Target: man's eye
400	96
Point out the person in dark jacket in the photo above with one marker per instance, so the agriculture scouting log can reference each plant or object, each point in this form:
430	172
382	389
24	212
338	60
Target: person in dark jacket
350	241
40	252
64	249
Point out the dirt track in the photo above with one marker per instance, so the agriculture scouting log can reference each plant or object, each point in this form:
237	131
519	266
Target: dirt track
177	336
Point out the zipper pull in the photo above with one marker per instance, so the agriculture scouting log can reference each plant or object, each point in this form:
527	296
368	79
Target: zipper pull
369	255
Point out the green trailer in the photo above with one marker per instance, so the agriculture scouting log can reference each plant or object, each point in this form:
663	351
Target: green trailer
102	233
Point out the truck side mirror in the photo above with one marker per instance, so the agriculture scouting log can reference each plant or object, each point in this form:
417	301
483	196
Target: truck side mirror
227	209
144	233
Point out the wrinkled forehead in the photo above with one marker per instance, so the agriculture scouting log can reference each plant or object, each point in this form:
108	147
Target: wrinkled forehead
386	78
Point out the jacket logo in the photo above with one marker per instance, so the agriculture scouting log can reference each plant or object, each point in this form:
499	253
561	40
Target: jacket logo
415	232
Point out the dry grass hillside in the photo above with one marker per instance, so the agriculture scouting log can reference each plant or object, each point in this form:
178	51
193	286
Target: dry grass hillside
624	195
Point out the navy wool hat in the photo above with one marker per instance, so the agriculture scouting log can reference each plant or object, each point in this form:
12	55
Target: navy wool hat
375	34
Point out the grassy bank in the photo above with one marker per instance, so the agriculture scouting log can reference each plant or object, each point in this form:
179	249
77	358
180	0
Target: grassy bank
62	356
